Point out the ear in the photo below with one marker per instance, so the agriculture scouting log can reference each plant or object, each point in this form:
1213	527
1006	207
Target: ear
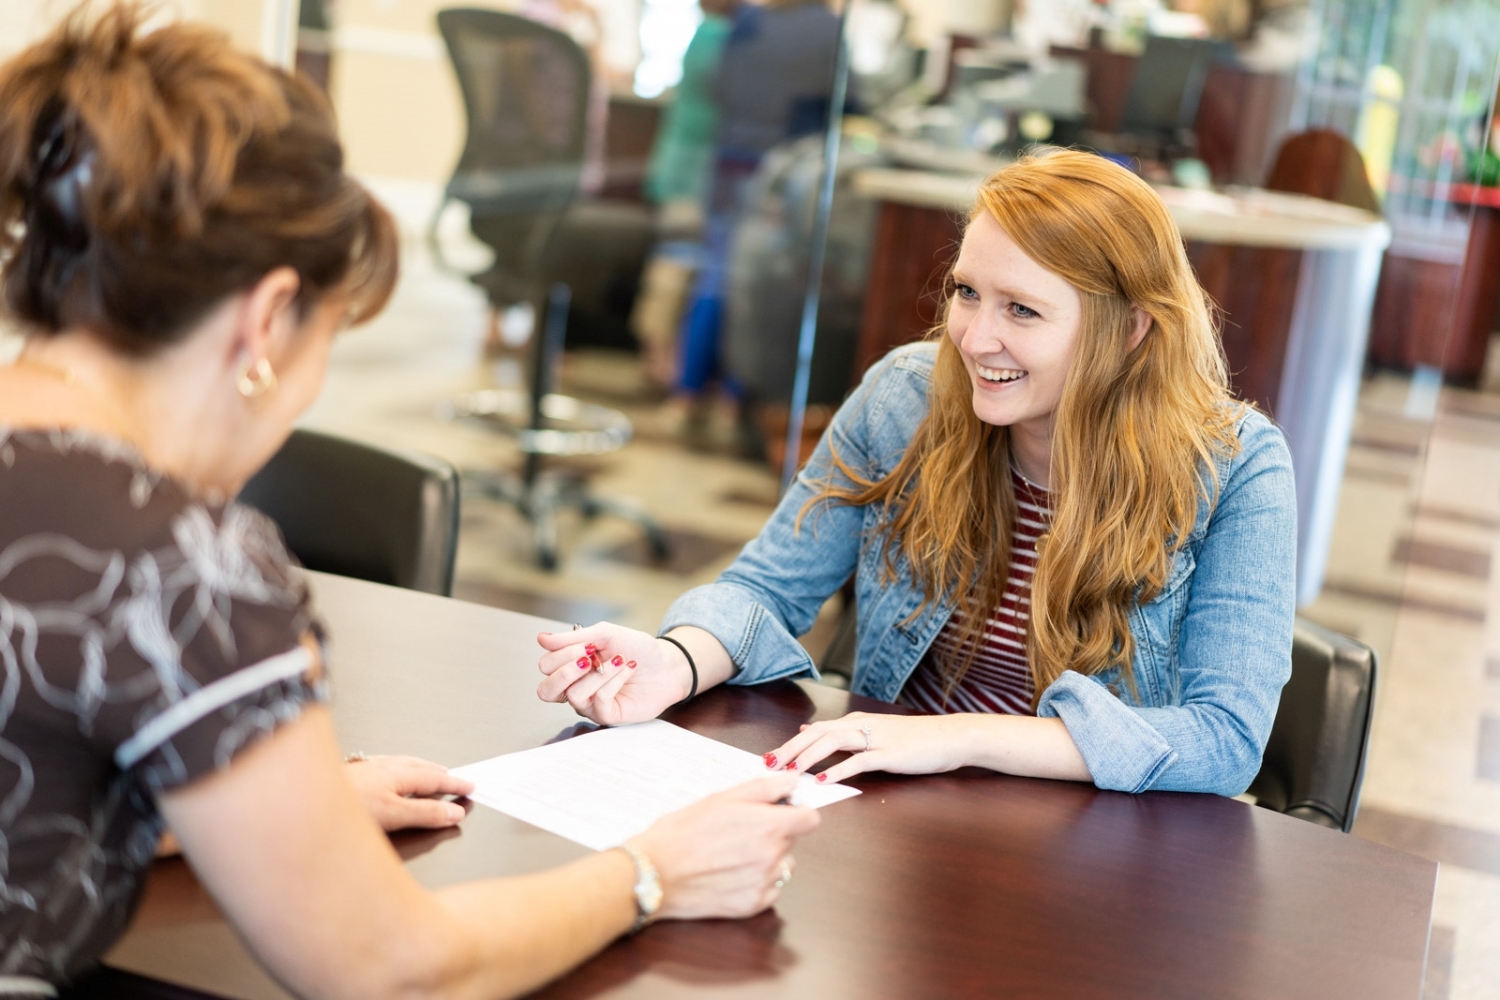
268	317
1141	322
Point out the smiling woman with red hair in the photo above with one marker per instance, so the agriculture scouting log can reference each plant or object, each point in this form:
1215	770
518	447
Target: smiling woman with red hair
1070	546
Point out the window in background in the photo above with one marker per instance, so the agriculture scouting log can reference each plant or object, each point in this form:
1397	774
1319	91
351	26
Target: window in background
666	28
1412	83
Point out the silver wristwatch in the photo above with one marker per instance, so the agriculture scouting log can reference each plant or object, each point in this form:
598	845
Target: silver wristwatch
647	887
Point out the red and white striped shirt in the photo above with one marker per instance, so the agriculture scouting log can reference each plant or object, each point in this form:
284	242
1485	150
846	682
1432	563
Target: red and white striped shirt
999	678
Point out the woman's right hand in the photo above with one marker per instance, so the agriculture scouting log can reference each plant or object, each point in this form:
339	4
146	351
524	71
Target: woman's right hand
728	855
611	674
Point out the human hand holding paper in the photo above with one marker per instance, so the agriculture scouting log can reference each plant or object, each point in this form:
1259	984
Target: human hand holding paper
728	855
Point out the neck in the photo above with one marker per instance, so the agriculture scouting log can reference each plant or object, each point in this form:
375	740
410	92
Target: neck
151	404
1031	451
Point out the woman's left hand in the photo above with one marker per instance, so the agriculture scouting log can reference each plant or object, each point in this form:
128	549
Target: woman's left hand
901	744
405	792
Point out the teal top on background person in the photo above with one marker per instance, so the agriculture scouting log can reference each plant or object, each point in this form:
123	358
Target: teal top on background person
682	157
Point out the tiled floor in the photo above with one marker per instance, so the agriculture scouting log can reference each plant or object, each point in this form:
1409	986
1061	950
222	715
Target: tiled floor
1411	575
1410	571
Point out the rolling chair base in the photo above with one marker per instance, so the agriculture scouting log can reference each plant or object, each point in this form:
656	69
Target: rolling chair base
555	426
550	492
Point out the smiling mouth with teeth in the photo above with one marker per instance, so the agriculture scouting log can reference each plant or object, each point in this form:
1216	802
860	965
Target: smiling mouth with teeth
999	374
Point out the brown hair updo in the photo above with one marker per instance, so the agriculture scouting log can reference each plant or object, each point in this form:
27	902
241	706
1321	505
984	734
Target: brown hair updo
147	175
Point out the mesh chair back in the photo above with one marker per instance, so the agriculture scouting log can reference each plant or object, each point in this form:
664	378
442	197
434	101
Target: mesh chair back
359	511
526	93
1315	759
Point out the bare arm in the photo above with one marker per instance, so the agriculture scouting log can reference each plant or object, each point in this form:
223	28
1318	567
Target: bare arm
651	676
282	841
927	744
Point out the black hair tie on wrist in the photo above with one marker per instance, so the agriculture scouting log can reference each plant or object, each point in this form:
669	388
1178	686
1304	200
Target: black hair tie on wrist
691	666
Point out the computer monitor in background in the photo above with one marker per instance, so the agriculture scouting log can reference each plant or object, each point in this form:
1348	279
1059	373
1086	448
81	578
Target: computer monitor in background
1163	100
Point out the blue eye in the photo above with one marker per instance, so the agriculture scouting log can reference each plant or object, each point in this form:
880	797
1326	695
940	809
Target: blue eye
965	291
1023	312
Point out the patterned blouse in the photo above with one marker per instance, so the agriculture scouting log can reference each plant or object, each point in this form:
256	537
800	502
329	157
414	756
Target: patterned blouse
146	637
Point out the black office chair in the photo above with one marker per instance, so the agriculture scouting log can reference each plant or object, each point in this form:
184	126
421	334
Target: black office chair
525	89
1314	762
356	510
526	92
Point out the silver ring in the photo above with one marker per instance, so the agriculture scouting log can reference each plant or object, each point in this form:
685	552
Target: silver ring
786	875
866	730
356	757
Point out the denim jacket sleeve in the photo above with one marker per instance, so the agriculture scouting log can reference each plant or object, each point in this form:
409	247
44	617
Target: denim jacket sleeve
1232	651
773	591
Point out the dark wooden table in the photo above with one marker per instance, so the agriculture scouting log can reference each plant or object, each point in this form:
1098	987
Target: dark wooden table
968	884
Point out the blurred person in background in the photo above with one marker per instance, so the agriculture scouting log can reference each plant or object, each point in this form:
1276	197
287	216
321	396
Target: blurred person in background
773	84
677	180
682	157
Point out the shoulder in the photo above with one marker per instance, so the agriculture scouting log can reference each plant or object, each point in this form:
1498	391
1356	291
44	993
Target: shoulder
1257	476
83	486
896	387
93	501
1262	445
910	366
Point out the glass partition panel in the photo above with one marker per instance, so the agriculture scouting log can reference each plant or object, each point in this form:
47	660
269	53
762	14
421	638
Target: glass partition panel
1414	85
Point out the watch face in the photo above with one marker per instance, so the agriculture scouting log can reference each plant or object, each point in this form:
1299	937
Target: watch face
648	895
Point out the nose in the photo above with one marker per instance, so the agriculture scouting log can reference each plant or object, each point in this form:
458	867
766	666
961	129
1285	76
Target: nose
979	334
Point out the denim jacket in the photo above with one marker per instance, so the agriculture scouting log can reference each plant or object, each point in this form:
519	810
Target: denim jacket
1212	650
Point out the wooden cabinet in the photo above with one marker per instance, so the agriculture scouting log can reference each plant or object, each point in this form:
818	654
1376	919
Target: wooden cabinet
1440	313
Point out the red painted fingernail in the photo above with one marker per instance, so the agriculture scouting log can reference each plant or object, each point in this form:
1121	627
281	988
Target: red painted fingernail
823	777
631	664
791	765
617	661
583	663
770	759
590	648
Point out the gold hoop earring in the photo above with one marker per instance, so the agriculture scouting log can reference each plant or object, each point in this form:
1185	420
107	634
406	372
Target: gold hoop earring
257	380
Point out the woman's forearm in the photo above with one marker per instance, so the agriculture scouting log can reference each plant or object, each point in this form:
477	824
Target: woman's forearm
512	935
1023	745
282	841
710	658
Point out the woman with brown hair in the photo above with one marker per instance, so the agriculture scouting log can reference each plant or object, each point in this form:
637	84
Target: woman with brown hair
1070	546
181	244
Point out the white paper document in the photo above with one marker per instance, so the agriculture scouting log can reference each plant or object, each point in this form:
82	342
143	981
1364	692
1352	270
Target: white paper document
602	788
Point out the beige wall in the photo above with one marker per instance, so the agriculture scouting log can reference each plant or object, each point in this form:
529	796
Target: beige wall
400	114
255	25
399	109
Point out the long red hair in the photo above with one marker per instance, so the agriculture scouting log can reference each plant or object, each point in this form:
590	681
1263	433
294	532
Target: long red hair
1135	437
